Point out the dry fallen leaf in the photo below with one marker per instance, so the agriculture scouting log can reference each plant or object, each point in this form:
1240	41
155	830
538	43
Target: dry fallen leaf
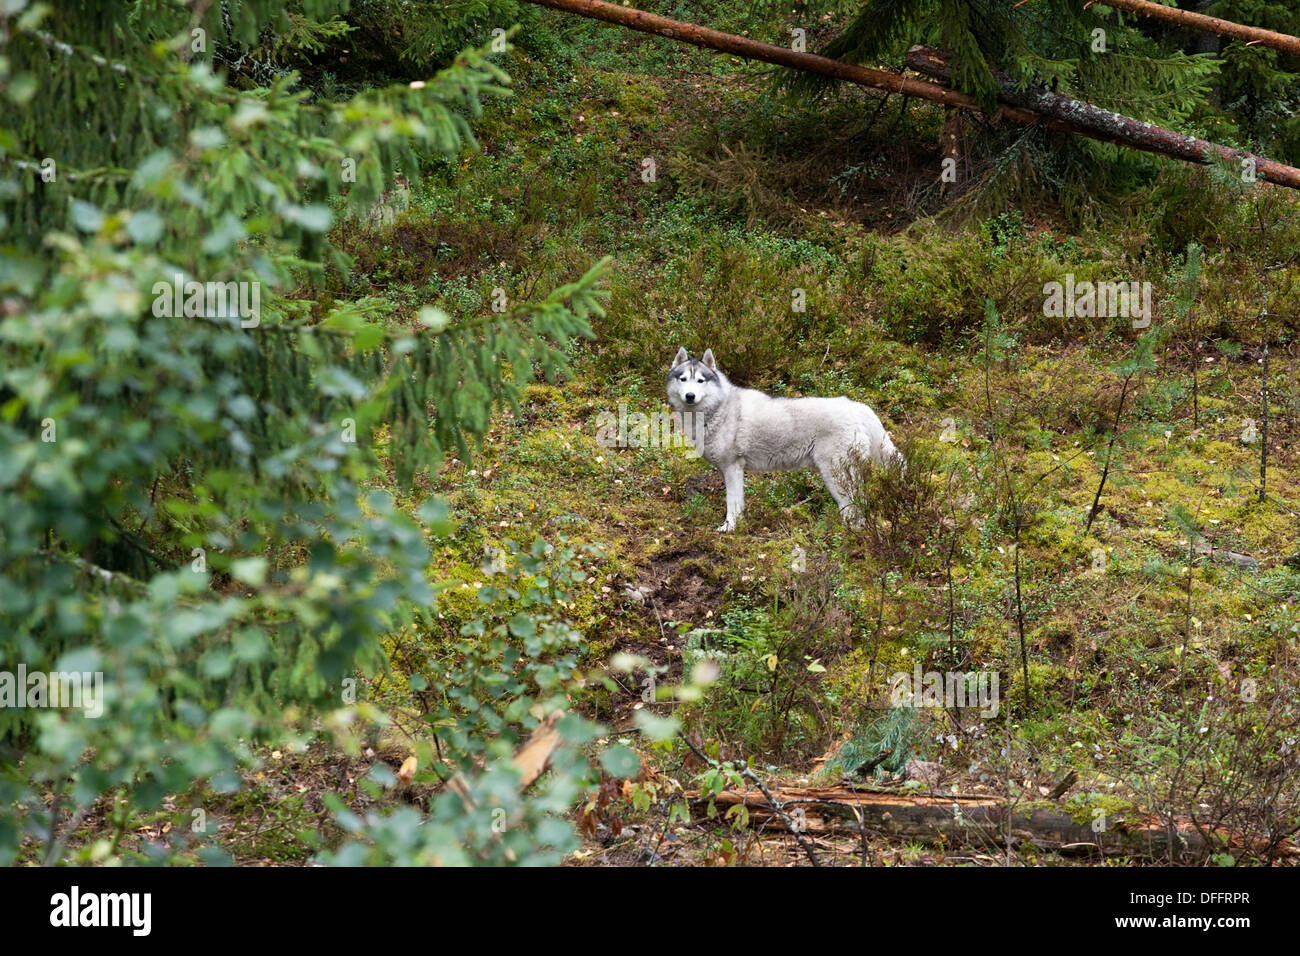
407	773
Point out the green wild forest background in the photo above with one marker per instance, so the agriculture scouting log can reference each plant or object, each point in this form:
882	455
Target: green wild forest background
338	562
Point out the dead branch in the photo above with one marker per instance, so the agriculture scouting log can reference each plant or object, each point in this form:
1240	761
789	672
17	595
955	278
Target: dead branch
1097	123
963	820
1199	21
1066	783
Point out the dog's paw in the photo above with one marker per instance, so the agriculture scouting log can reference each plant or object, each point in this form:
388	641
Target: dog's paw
728	525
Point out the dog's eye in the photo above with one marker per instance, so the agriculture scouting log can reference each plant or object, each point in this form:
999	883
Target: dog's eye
681	378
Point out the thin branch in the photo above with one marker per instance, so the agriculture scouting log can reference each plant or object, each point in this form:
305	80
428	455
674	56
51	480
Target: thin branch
1110	452
778	807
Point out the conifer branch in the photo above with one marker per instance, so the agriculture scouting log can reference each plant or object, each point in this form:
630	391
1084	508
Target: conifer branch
69	49
101	174
1084	119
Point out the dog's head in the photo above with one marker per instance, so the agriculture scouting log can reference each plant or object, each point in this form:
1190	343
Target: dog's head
695	385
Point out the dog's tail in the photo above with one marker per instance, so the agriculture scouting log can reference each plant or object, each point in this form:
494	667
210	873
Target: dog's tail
887	454
892	458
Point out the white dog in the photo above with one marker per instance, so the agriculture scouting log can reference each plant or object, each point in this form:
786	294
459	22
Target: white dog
739	428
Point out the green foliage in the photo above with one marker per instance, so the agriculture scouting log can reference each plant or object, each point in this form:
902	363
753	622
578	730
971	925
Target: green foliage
1051	42
183	496
201	529
1189	281
519	651
512	664
1228	758
1079	50
770	663
1261	86
895	731
932	287
706	300
395	37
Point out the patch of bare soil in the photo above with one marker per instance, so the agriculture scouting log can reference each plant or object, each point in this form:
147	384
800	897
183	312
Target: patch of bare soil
679	584
682	584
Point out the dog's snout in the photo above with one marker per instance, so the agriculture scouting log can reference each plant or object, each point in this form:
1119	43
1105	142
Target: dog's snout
690	398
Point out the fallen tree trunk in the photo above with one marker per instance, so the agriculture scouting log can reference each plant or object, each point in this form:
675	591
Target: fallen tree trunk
962	821
1199	21
1226	556
1102	124
1120	130
781	56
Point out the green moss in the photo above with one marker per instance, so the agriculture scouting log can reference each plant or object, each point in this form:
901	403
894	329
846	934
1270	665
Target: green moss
1083	808
640	97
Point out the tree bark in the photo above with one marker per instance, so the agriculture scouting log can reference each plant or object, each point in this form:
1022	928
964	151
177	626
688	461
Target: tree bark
1199	21
1098	123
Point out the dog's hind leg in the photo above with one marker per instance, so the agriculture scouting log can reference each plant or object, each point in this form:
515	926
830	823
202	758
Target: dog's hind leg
843	495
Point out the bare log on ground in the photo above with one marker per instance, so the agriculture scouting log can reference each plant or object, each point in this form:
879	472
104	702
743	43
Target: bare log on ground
1199	21
1227	556
1098	123
963	821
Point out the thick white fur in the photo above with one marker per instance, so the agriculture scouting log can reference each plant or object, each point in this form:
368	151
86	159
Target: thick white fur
739	429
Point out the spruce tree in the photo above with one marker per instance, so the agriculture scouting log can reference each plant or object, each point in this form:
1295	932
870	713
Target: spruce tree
184	501
1092	53
1259	87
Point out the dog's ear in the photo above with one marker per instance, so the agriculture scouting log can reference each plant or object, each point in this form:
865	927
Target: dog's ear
682	356
708	360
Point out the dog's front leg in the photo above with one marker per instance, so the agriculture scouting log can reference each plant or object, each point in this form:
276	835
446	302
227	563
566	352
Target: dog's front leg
734	476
